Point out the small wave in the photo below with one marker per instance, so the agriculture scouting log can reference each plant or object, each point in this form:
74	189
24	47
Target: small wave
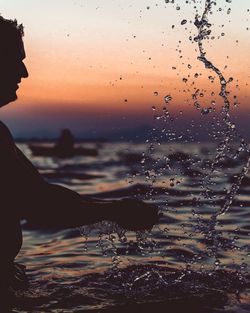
137	287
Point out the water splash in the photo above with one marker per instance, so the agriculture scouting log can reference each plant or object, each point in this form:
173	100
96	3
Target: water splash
177	164
204	31
229	132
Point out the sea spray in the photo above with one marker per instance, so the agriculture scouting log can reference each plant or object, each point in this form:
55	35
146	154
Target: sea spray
229	131
177	164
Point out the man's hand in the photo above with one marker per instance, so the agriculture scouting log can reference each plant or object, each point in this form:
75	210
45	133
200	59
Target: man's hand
134	214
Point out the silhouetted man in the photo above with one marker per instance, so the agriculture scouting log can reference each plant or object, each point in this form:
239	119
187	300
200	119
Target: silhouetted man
65	141
24	194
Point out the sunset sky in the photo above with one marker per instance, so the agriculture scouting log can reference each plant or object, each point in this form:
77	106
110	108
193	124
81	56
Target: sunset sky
95	65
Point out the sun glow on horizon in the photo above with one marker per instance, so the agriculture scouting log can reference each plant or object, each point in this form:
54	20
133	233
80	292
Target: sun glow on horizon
88	56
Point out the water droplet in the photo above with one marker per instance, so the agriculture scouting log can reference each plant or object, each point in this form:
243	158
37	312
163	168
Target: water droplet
167	98
206	111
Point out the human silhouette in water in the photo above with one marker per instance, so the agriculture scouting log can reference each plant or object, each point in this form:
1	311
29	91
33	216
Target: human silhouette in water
65	141
24	194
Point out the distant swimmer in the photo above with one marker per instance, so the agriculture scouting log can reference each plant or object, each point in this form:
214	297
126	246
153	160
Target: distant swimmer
64	148
24	194
65	142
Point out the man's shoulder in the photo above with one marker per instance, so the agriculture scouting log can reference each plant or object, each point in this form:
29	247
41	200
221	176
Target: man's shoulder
6	139
4	131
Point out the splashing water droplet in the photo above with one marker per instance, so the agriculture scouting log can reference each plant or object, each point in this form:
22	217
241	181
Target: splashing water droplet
167	99
206	111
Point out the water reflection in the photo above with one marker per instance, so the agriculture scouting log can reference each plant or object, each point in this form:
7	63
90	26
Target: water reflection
58	261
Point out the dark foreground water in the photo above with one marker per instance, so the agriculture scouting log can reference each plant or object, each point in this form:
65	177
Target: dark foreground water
184	265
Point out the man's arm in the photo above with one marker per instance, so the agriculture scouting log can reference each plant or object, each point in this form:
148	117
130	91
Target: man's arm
50	205
54	206
63	208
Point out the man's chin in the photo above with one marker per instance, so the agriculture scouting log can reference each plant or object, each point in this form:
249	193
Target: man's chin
5	100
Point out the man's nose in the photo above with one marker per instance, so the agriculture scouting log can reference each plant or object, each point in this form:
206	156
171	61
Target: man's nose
24	71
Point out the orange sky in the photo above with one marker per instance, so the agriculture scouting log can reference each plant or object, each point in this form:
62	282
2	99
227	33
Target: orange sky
88	55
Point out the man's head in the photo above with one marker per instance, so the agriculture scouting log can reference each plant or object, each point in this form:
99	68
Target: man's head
12	54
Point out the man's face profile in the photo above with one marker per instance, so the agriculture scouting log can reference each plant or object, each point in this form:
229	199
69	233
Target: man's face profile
12	68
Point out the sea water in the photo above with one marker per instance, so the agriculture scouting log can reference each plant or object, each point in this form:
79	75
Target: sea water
174	265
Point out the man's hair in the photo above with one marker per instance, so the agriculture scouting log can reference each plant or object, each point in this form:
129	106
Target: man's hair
10	27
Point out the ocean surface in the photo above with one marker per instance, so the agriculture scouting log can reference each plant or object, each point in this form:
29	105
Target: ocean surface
192	261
